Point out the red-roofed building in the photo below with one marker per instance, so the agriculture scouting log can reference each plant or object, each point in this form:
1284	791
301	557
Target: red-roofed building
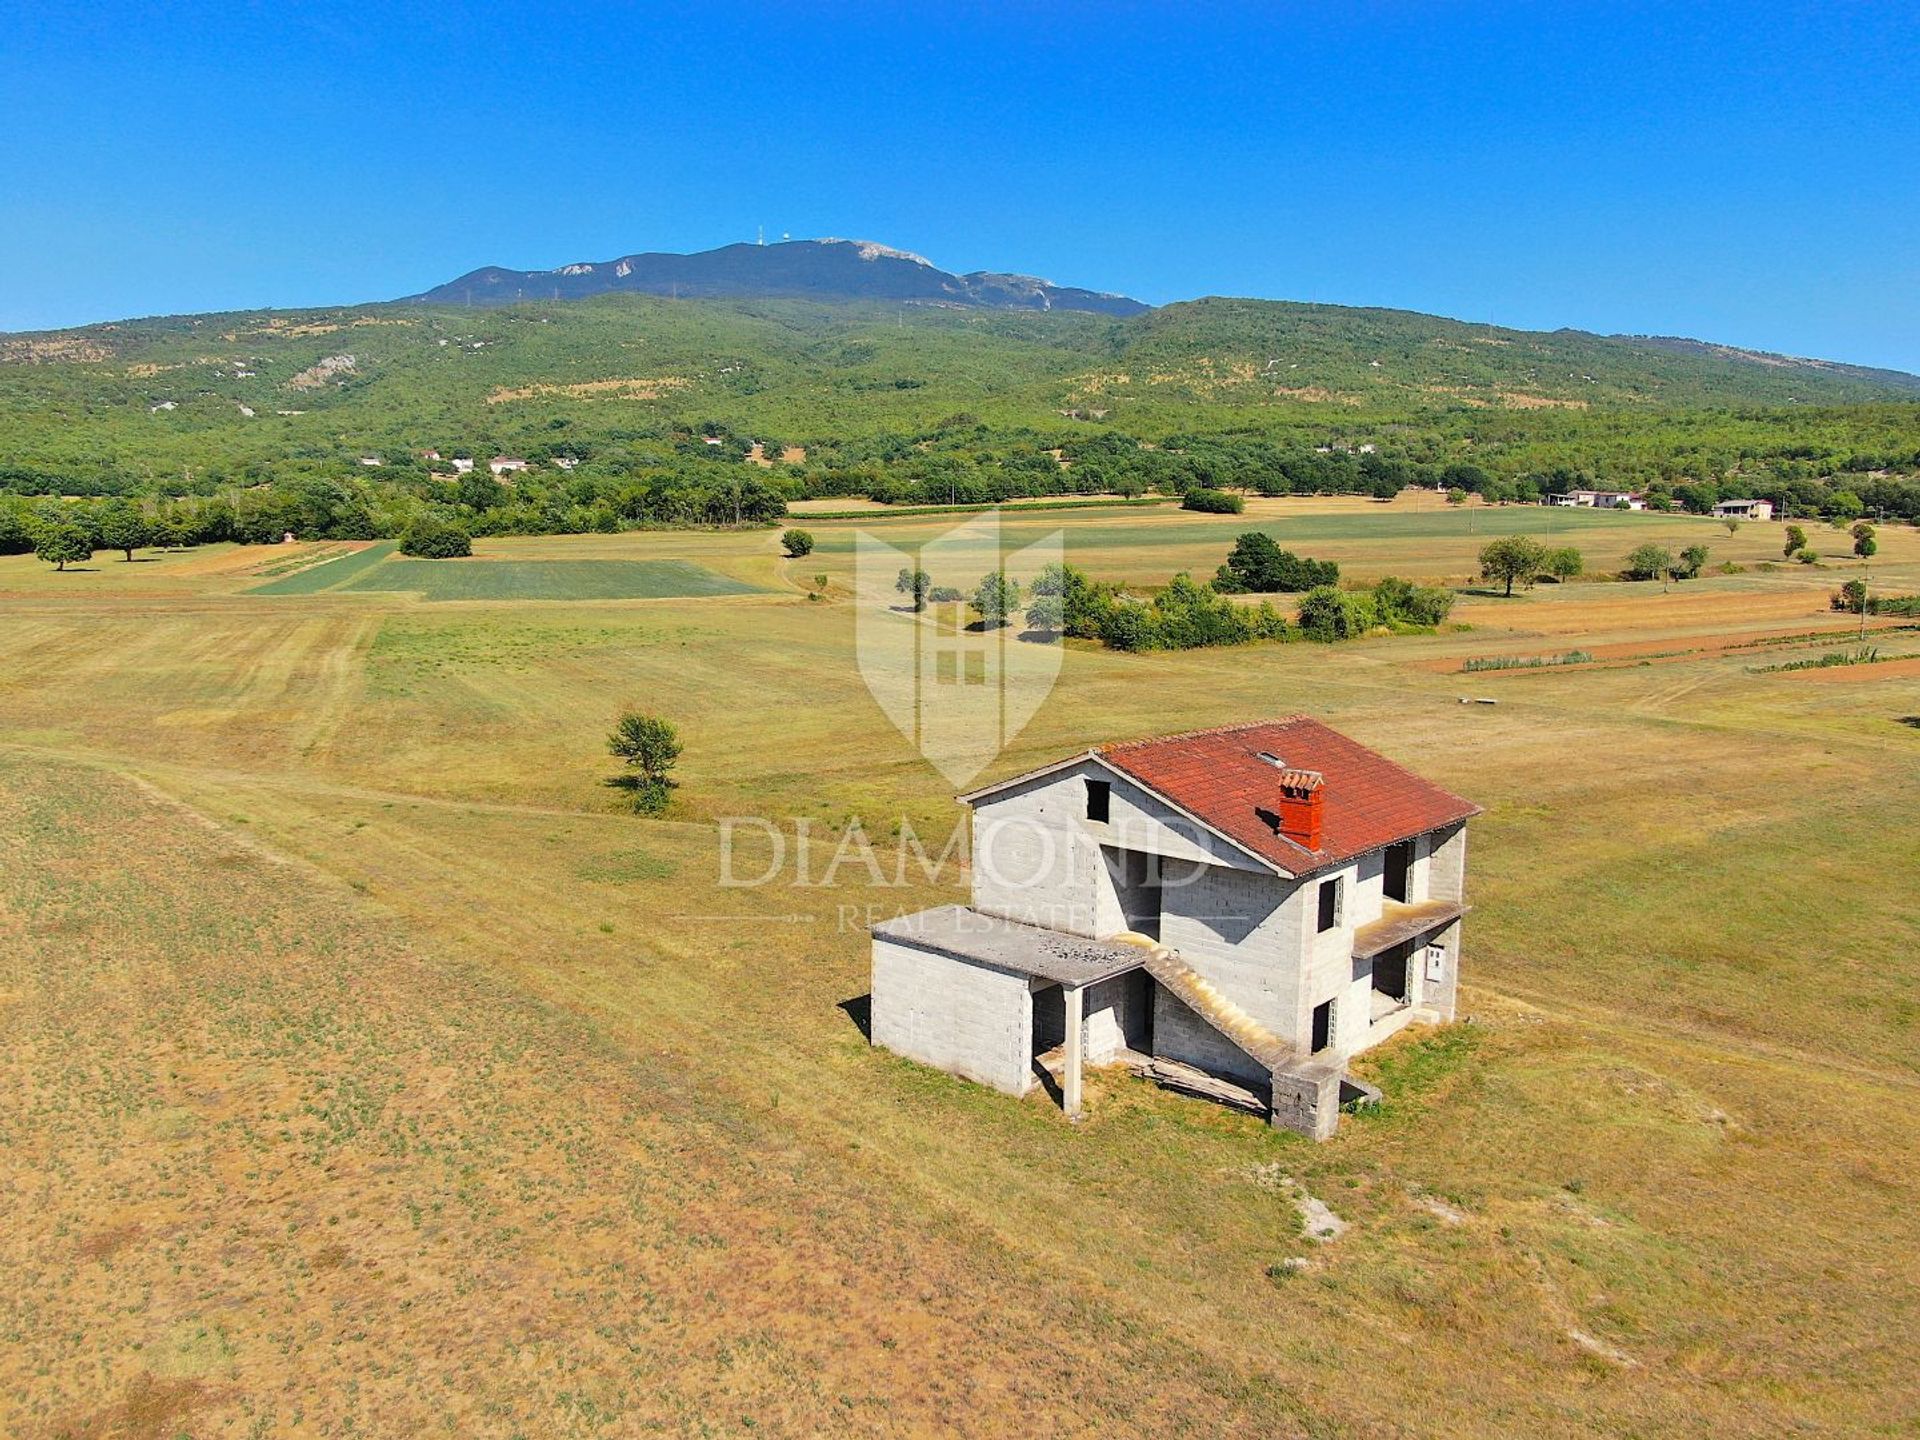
1293	897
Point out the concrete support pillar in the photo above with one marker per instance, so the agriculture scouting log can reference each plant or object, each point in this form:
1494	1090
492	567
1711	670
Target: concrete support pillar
1076	1048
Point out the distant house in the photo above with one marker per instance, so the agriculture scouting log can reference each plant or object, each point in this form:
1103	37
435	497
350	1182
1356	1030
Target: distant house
565	462
712	439
506	464
1234	913
1744	510
461	465
372	462
429	454
1600	499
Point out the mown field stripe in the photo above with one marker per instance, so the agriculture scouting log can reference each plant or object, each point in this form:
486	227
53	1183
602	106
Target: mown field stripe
328	574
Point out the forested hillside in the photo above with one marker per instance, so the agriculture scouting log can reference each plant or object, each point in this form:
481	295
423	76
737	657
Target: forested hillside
637	409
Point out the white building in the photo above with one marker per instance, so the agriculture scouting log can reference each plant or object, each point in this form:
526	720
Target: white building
1234	912
1744	510
506	464
1600	499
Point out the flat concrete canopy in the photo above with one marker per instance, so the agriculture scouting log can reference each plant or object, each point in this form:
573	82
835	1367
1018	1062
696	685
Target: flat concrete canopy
1008	945
1403	922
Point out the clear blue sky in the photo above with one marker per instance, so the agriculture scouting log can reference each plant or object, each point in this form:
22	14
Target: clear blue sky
1741	173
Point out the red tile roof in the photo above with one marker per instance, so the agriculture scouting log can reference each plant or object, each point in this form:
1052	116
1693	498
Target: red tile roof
1219	777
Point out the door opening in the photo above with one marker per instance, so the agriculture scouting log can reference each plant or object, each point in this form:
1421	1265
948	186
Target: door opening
1399	877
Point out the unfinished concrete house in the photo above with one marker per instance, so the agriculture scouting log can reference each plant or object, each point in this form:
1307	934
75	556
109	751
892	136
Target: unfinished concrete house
1234	912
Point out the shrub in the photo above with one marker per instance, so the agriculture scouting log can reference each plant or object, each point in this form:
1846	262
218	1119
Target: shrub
945	594
1084	603
1397	601
430	538
1456	496
1184	616
796	543
1213	502
1327	614
1796	540
1850	597
1806	556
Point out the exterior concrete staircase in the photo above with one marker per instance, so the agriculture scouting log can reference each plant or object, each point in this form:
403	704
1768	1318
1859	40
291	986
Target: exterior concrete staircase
1199	995
1306	1092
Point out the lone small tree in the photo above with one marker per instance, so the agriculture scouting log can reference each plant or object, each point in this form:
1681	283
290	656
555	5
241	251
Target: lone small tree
1512	559
914	584
62	543
1864	543
796	543
1796	540
996	598
1689	562
650	747
1648	562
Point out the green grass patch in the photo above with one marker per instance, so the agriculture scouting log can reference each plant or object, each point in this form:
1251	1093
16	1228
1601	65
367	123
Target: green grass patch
328	575
547	579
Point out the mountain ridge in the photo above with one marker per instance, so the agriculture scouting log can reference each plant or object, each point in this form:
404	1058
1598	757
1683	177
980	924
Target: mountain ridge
827	269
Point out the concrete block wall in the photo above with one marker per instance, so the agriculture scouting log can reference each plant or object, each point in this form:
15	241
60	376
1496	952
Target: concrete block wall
968	1019
1244	932
1447	871
1114	1016
1179	1034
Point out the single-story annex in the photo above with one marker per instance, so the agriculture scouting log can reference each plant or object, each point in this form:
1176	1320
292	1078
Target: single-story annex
1235	912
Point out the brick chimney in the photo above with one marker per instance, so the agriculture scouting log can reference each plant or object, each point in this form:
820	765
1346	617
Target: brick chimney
1302	802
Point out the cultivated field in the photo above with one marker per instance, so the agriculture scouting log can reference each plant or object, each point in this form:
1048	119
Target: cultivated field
364	1071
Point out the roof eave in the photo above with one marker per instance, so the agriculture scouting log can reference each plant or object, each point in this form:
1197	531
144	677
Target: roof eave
1272	866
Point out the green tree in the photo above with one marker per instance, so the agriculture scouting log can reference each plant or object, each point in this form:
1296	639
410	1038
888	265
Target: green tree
796	543
62	543
1563	563
996	598
1648	562
479	491
123	528
914	584
649	746
1689	562
1047	613
1512	559
431	538
1796	540
1864	543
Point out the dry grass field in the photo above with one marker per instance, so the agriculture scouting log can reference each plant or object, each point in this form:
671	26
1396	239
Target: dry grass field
364	1071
